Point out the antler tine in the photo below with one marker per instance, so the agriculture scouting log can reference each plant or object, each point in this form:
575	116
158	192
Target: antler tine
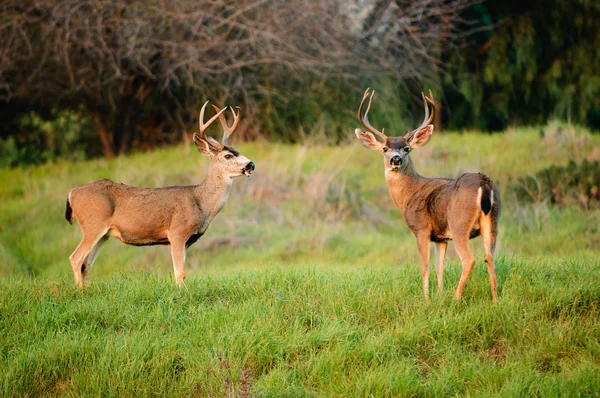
426	110
203	126
364	119
228	130
431	100
428	118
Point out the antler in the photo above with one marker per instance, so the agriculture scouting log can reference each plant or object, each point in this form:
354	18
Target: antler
427	119
203	126
228	130
364	120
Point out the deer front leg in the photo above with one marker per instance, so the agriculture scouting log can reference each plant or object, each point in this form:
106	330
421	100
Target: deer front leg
423	245
439	263
178	255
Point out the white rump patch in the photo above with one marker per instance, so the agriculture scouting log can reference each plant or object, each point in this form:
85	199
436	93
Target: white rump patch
479	193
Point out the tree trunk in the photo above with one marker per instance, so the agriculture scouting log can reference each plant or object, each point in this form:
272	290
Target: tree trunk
437	118
122	132
128	112
105	136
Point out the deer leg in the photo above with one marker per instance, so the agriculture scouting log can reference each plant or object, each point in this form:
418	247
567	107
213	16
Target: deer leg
78	257
461	244
489	243
490	266
439	263
178	255
423	245
89	261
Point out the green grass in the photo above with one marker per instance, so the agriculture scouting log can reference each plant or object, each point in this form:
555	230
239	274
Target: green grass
306	284
305	331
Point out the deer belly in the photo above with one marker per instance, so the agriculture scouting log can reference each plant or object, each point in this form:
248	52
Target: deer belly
441	236
136	239
475	230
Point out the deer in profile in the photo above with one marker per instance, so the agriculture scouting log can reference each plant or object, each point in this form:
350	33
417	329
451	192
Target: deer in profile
176	216
436	209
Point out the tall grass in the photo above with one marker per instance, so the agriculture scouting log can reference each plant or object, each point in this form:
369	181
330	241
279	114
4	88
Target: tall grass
305	202
306	284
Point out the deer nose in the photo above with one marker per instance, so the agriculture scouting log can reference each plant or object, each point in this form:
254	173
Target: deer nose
250	166
396	160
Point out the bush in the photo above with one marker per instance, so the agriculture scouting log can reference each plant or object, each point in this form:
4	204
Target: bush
64	135
562	186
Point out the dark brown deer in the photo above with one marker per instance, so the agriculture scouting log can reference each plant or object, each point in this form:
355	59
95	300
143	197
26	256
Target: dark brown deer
175	216
436	209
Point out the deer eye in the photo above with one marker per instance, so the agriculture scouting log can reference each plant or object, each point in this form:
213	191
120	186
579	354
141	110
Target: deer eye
406	149
385	149
228	156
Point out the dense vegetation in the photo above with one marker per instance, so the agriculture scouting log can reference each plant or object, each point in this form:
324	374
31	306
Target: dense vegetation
134	76
306	284
534	63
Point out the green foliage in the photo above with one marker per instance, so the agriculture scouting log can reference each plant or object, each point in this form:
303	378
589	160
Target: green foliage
64	135
576	183
535	62
325	109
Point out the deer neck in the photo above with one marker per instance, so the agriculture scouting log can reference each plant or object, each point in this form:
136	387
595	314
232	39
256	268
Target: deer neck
213	192
403	183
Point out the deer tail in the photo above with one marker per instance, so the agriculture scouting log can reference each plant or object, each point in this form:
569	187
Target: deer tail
69	210
486	201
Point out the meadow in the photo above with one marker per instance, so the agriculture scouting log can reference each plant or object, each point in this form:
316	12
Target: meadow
306	284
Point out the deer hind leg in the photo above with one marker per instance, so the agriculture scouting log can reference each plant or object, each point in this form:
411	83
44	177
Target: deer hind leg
81	253
489	243
439	263
423	245
178	255
86	268
461	244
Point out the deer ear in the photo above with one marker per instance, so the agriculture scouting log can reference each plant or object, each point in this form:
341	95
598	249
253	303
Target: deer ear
204	146
421	137
368	140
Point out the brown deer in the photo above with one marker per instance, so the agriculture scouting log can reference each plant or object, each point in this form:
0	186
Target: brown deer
436	209
175	216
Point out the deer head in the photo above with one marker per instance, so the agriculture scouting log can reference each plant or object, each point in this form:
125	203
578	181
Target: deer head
224	159
395	150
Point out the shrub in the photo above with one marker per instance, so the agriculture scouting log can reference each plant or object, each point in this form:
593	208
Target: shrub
562	185
63	135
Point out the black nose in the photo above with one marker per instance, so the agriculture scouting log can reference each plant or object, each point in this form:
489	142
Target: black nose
396	160
250	166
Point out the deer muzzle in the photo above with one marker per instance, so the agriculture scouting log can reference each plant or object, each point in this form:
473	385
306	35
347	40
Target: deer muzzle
248	169
396	161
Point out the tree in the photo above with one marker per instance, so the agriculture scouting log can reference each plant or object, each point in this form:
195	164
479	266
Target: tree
537	61
132	65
